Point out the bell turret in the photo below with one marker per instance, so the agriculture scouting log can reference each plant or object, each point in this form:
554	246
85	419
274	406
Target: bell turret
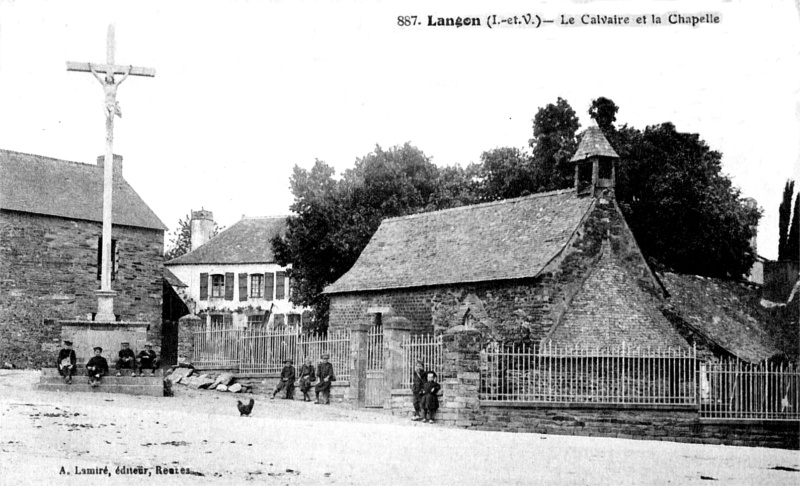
595	163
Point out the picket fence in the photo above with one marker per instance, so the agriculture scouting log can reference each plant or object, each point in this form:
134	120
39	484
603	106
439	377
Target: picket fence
259	351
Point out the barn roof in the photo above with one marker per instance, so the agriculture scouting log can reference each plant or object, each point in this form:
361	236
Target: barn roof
247	241
593	142
509	239
43	185
727	312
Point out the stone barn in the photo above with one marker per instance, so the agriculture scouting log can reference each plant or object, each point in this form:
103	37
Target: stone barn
50	230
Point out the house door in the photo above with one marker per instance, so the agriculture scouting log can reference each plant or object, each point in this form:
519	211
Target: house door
376	377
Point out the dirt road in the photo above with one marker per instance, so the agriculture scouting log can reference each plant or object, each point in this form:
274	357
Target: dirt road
52	438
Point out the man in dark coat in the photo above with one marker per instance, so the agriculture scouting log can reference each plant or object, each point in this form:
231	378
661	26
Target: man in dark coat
126	359
430	399
307	376
326	377
66	362
286	381
417	382
96	367
148	359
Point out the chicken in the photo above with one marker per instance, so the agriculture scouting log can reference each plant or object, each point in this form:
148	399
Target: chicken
245	409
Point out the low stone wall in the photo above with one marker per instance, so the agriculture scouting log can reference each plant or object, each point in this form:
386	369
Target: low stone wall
627	422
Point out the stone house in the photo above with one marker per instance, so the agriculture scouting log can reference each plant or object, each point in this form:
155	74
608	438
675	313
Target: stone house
232	279
50	231
560	267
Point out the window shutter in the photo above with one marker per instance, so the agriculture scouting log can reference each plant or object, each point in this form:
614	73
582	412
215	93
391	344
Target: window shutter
269	285
242	286
203	286
280	286
229	286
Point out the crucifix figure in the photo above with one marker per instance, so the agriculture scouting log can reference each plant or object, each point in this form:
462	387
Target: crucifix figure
105	296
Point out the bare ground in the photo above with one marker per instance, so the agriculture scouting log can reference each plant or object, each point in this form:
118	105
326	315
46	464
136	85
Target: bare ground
298	443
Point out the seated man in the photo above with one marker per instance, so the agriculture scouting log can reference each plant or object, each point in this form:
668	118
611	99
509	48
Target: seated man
96	367
148	359
66	362
126	359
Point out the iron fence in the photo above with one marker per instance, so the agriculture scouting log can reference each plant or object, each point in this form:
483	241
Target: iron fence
426	348
735	390
620	375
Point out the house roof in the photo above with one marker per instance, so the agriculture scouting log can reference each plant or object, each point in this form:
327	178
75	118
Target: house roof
593	142
727	312
247	241
172	279
610	308
43	185
509	239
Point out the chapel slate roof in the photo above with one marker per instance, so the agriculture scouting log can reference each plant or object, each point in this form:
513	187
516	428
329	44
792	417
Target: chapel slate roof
593	142
509	239
726	312
247	241
43	185
610	309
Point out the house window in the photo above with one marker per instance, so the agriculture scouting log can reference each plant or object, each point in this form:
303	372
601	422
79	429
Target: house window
255	320
217	286
113	258
256	286
217	320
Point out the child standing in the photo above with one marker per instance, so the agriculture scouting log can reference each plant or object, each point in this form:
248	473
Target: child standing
417	383
430	400
287	380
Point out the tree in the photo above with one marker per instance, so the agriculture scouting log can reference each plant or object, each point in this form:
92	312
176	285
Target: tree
334	219
554	143
181	242
784	218
604	112
504	173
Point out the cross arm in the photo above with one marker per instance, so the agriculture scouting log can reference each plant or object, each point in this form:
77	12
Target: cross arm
101	68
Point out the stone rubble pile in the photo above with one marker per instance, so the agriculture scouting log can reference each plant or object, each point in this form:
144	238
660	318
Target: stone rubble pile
224	382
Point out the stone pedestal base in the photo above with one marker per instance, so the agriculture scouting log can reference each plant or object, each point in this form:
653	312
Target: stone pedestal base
105	306
85	335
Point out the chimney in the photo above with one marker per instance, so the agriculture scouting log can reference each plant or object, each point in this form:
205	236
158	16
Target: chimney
595	164
117	165
202	227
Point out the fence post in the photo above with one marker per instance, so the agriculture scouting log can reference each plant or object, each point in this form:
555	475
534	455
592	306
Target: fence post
395	330
186	326
358	364
460	376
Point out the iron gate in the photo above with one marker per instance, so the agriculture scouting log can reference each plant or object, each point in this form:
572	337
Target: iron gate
376	377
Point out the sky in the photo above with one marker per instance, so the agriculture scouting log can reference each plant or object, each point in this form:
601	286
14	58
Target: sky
246	90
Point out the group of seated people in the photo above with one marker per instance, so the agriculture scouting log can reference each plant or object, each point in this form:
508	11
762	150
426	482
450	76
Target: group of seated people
97	366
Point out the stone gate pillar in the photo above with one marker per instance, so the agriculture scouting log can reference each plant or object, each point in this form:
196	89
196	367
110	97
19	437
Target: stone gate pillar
460	377
395	330
186	325
358	364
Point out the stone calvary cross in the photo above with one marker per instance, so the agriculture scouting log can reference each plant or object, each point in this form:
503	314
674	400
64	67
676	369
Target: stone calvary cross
105	296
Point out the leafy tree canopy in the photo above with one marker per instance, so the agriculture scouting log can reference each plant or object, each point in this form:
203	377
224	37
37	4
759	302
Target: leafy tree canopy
335	218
